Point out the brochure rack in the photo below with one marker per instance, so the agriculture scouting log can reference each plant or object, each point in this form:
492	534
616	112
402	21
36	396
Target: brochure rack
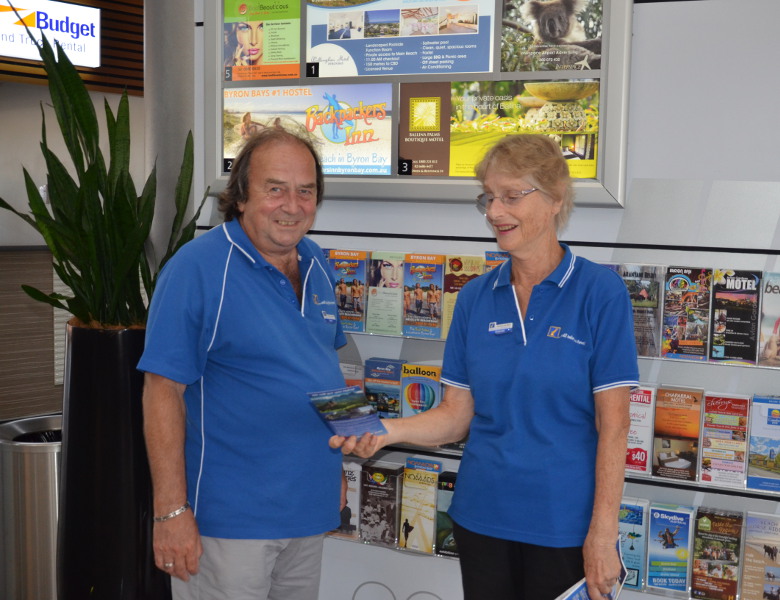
710	376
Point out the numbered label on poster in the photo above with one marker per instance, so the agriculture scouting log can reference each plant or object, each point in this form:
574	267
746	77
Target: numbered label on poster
404	166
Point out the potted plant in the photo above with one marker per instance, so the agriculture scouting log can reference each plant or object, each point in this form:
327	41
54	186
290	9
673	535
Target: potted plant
97	228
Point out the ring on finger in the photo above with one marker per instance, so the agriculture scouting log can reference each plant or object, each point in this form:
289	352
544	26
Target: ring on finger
168	565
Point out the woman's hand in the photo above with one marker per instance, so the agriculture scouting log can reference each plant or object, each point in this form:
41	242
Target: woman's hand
602	566
239	58
365	447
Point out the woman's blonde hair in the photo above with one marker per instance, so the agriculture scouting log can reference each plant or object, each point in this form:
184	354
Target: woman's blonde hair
538	160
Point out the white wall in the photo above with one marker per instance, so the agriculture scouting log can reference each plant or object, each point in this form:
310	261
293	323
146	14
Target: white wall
20	135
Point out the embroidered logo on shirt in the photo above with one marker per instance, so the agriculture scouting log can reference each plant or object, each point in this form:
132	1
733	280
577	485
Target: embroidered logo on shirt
555	332
499	328
317	300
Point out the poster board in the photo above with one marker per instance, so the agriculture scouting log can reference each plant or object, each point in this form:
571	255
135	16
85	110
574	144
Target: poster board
389	77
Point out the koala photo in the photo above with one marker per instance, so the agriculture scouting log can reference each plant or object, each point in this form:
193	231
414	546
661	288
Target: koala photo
551	34
554	21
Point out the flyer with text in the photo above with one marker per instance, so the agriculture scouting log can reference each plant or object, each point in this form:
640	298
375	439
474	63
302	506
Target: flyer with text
734	319
445	128
551	36
352	123
261	40
392	37
724	440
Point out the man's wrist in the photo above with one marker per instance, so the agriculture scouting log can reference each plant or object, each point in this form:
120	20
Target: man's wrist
174	513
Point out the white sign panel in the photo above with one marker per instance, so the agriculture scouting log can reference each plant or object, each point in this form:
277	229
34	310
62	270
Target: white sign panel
76	28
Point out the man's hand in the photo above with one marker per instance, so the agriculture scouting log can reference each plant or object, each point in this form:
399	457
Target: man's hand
177	546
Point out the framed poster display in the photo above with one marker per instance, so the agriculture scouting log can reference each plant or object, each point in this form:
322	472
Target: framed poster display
411	95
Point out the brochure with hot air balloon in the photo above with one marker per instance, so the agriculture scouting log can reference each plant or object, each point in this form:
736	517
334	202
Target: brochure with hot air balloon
347	411
420	388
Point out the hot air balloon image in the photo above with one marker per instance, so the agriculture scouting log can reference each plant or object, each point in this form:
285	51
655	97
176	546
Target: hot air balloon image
420	388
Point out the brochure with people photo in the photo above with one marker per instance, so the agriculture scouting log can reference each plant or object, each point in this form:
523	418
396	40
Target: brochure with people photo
347	411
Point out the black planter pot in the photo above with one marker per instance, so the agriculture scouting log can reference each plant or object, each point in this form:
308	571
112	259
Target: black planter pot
104	545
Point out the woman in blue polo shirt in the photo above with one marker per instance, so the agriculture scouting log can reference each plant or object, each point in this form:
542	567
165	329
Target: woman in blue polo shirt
538	366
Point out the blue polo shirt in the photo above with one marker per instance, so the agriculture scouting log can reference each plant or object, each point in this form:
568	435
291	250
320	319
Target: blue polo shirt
228	324
528	469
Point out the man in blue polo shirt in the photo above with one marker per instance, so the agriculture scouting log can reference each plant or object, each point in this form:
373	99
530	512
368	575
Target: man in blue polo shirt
242	325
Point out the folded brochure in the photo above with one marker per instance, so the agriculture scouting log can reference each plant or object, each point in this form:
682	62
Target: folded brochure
579	591
347	411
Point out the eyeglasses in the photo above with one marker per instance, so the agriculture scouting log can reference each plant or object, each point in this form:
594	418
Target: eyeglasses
510	198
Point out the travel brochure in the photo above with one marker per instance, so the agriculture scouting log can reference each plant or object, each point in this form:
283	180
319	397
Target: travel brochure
392	37
579	591
446	127
724	440
686	313
551	36
261	40
763	471
347	411
717	542
735	317
352	124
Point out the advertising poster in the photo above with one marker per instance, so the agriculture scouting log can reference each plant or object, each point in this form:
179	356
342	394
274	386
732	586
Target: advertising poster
350	269
734	323
551	36
686	313
724	440
632	528
761	571
716	546
669	540
394	37
640	435
644	284
386	293
352	123
446	128
261	40
677	427
76	28
764	446
423	280
769	347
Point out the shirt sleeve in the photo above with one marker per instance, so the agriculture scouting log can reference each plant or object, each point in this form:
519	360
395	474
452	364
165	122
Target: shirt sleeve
177	332
614	360
455	365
